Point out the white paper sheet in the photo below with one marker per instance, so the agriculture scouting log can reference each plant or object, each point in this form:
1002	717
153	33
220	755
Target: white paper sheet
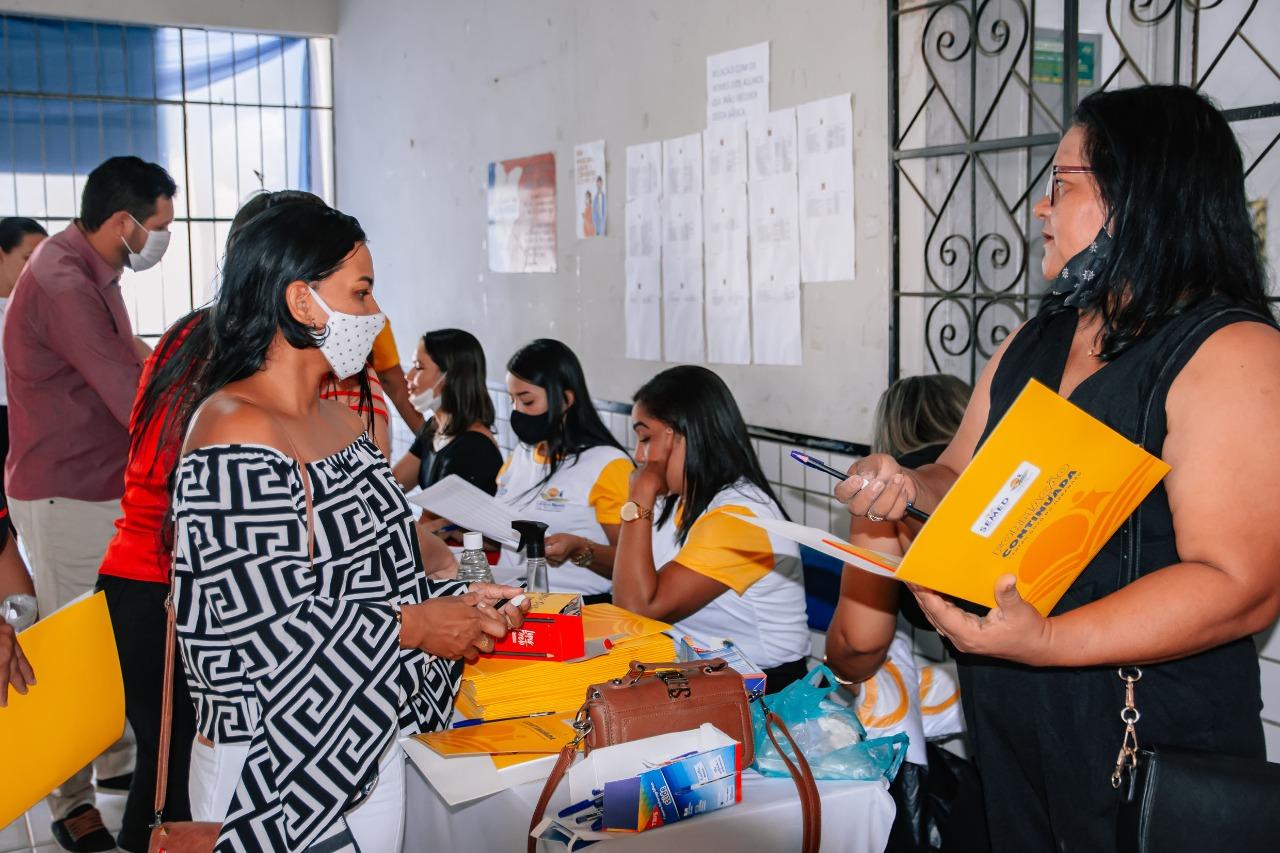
682	332
469	508
644	170
827	543
468	777
775	271
724	154
738	83
728	284
682	165
643	270
826	222
826	189
771	140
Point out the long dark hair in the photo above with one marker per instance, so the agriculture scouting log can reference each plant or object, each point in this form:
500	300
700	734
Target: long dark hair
697	404
184	350
283	244
1171	178
465	397
553	367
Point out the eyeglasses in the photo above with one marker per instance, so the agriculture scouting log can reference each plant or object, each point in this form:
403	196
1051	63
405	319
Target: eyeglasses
1052	190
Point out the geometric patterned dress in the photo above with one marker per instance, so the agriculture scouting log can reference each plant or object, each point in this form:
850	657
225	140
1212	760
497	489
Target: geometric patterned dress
301	662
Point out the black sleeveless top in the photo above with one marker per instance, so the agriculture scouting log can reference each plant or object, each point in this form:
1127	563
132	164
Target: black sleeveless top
1046	739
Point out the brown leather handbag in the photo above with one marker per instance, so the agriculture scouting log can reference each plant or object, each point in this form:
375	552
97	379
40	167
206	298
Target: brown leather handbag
659	698
191	836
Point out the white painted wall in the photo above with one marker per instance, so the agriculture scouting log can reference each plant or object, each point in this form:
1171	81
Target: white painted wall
427	93
290	17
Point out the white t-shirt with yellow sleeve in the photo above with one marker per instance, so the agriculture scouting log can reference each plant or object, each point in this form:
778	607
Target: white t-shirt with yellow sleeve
763	611
585	494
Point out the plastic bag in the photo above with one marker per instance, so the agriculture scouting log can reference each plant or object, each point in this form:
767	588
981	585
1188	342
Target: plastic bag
829	734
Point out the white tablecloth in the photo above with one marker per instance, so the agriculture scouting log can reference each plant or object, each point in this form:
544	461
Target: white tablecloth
855	819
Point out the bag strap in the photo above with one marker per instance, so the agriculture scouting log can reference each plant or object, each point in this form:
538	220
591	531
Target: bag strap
801	774
171	633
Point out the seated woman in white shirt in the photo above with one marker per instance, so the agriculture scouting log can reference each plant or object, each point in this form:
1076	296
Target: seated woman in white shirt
567	471
682	557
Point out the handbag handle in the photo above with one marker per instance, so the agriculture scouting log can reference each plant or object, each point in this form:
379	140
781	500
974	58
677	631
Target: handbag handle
801	774
640	670
171	632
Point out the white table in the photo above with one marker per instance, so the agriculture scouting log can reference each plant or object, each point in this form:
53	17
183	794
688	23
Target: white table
856	817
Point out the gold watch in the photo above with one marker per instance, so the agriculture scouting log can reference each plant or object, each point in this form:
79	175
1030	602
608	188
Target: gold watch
632	511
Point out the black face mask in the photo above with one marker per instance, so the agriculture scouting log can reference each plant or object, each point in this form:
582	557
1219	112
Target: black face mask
1080	278
531	429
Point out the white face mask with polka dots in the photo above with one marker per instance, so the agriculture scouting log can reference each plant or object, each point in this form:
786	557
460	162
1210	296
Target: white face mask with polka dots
348	338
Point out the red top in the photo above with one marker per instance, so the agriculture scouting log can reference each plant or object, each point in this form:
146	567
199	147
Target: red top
72	373
138	550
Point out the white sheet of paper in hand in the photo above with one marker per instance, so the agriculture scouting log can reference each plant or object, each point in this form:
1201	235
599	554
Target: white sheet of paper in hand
469	508
829	544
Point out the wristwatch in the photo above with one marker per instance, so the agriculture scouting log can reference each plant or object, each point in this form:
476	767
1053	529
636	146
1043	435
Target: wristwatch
632	511
584	559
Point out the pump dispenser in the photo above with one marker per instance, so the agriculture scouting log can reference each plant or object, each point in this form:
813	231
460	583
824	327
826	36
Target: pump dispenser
533	536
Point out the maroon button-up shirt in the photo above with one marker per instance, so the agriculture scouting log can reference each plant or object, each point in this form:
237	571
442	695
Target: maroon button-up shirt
72	373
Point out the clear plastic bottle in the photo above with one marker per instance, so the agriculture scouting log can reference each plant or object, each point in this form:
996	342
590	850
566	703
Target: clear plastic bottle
473	566
533	543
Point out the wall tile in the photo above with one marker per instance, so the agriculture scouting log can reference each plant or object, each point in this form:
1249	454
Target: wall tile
792	471
1270	689
767	453
817	511
1271	732
793	502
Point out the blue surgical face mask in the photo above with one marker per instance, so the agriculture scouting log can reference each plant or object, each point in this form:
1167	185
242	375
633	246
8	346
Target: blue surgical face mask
1081	276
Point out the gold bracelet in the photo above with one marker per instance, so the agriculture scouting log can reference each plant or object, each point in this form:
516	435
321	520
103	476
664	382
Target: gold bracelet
838	679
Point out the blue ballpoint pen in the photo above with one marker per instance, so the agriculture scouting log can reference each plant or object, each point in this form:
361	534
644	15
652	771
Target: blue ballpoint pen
818	465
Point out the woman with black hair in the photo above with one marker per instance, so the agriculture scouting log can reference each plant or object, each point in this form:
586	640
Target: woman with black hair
682	556
1158	325
296	570
568	470
19	237
447	384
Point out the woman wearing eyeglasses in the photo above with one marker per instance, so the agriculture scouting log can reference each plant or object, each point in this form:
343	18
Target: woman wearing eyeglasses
1158	325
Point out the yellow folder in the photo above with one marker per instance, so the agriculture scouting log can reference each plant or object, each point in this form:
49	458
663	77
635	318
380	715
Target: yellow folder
74	711
1039	499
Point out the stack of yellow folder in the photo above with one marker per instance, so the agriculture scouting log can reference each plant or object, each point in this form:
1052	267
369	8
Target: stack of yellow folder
496	687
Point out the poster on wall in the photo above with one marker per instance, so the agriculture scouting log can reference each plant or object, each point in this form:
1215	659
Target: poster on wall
522	214
682	332
591	193
775	271
738	83
728	288
643	270
825	139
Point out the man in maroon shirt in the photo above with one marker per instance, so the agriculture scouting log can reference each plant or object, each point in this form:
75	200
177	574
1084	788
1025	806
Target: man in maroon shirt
72	364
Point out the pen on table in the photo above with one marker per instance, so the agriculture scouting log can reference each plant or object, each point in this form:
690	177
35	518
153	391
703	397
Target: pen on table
819	465
462	724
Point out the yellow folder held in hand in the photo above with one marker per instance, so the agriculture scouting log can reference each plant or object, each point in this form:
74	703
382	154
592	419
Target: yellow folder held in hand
73	712
1039	499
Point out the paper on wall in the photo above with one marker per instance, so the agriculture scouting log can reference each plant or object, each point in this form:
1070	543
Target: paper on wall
643	270
775	271
590	190
682	165
826	222
728	286
470	508
644	170
682	331
771	142
738	83
826	189
724	154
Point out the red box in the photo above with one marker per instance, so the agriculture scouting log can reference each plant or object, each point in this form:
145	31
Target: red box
552	630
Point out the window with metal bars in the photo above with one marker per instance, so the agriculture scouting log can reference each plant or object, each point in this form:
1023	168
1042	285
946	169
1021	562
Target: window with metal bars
227	114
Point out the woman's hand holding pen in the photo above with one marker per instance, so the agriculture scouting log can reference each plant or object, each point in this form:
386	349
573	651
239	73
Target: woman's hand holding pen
461	626
878	488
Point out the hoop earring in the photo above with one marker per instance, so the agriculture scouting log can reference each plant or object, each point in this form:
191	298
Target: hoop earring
318	336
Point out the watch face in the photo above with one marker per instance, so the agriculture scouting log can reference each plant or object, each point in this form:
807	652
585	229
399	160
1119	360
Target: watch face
630	511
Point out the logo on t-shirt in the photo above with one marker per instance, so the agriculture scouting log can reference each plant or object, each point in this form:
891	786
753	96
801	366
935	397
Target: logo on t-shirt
552	497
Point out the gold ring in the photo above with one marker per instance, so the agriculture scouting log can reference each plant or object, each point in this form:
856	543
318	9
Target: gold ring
871	516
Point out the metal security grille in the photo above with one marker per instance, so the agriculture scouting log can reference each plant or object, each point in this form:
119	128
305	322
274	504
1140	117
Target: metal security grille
225	113
980	93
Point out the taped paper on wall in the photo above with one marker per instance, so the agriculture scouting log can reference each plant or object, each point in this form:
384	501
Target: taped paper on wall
728	285
775	271
682	332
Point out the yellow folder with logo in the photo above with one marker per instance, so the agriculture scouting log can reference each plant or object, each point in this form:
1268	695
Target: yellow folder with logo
73	712
1040	498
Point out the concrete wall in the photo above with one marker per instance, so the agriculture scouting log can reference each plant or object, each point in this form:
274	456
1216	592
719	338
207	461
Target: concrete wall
292	17
427	93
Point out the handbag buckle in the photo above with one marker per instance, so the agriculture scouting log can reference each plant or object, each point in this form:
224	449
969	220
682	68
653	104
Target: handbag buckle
677	684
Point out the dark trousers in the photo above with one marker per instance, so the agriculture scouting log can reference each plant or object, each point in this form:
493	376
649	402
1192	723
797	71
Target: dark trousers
138	620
